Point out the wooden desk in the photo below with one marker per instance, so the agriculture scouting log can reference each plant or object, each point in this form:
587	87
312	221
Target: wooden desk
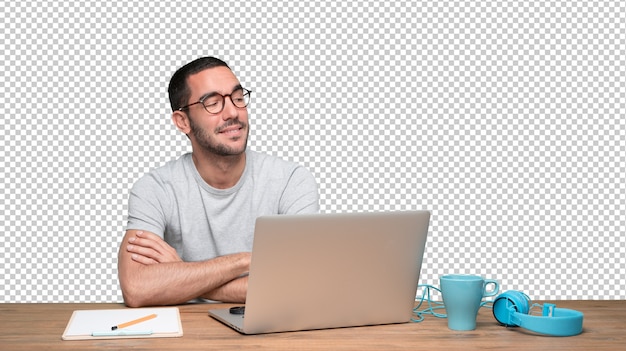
40	326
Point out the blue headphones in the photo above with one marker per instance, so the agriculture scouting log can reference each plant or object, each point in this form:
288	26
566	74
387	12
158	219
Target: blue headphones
511	309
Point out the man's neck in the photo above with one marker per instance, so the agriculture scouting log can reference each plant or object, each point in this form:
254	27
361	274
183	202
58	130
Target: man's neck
220	172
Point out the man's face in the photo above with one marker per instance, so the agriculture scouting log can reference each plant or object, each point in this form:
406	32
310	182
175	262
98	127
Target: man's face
224	133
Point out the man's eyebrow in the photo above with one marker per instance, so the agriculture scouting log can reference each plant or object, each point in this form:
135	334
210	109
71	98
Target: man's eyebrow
208	95
213	93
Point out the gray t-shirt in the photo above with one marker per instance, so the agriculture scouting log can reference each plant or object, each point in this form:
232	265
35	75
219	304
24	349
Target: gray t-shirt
202	222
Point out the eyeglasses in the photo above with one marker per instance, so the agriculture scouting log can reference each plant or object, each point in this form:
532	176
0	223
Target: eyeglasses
214	103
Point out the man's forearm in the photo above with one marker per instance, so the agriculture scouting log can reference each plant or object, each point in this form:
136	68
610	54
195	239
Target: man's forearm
233	291
178	282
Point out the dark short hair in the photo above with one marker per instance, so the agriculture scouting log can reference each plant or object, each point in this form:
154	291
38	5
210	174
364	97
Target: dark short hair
178	89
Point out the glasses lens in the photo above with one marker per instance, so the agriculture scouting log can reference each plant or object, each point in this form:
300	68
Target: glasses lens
214	104
240	97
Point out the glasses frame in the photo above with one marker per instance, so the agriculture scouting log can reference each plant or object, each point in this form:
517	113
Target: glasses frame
202	99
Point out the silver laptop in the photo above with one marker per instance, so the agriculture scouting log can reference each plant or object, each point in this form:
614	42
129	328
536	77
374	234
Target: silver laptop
323	271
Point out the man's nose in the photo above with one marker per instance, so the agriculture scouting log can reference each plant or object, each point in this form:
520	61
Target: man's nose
230	110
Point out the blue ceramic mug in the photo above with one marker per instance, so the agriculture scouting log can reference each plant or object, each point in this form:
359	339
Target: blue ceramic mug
462	295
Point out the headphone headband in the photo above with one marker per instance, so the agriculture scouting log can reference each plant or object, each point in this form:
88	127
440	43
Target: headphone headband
511	309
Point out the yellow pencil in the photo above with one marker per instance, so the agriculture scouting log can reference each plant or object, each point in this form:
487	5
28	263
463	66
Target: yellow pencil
138	320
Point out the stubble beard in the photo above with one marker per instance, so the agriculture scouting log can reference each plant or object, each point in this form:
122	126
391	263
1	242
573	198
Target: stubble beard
208	142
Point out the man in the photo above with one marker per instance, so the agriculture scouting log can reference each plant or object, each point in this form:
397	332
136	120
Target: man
191	221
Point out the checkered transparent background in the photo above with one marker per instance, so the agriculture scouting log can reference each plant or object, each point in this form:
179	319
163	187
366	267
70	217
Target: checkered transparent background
506	119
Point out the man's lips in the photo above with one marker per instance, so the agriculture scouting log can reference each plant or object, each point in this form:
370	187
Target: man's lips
231	129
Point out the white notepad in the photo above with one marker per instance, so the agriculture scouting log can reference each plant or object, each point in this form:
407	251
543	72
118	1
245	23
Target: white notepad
96	324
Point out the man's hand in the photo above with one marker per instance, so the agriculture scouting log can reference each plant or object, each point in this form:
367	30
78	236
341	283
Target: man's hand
148	248
148	268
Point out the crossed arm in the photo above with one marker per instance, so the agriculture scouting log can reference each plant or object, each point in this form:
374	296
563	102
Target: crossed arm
151	273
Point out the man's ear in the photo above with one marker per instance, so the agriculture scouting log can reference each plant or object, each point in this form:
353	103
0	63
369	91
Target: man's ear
181	121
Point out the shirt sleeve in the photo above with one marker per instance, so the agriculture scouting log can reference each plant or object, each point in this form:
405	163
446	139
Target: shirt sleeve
301	193
146	210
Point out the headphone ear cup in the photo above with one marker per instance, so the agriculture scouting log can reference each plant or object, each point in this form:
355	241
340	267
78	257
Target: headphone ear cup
506	304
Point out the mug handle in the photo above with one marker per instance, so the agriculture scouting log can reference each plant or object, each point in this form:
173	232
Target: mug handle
496	287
